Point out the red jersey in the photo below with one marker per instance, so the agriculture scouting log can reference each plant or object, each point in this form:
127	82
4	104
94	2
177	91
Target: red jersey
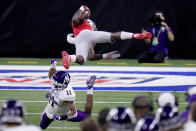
84	26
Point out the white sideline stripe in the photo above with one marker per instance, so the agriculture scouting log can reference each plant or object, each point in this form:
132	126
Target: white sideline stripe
85	90
33	113
101	68
41	114
96	102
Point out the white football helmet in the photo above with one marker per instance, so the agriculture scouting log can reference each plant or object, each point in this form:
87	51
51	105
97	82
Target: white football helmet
166	98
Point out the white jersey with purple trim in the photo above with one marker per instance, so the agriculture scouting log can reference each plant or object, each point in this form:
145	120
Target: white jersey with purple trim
58	101
21	128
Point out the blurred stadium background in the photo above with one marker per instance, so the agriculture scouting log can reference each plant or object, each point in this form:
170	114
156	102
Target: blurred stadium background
36	28
33	31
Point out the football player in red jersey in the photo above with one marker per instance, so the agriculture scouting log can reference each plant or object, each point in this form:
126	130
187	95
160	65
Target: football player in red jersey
86	36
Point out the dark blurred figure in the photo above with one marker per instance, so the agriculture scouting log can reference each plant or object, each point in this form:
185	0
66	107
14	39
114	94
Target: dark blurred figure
120	119
161	35
12	117
89	124
191	124
190	97
143	108
168	118
103	123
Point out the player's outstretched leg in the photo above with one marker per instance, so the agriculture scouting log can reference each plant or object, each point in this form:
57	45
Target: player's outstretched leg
104	37
89	102
45	121
89	99
128	35
66	58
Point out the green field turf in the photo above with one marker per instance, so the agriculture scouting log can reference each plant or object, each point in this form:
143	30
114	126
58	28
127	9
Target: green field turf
116	62
102	99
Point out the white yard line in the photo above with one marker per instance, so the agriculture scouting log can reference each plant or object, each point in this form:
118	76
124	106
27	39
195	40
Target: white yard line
30	113
80	102
100	68
70	128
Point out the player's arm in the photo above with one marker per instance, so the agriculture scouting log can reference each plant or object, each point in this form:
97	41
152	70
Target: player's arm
92	56
80	15
169	32
73	111
52	70
70	115
110	55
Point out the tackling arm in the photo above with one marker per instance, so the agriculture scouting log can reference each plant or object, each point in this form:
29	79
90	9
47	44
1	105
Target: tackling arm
52	70
73	112
70	115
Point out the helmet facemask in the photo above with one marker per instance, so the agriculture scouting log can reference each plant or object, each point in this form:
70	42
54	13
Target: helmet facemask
60	80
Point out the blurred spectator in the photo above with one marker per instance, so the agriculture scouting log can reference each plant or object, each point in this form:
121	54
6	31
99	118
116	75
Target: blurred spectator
191	124
12	117
143	108
120	119
89	124
167	98
190	98
161	35
168	118
102	119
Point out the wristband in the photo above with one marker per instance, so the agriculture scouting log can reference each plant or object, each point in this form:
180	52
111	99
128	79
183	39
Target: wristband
90	91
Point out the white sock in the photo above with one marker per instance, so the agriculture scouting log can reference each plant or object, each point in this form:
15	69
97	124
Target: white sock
73	58
90	91
126	35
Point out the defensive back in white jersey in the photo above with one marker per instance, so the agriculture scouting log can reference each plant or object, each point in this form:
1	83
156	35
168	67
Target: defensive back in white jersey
22	127
58	101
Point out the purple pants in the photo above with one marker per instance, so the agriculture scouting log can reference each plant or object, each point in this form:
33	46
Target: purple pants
45	121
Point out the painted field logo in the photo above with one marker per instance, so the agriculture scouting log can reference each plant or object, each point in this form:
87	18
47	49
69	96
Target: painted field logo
115	78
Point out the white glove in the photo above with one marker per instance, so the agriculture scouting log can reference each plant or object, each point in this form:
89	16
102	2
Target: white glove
70	38
111	55
53	63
